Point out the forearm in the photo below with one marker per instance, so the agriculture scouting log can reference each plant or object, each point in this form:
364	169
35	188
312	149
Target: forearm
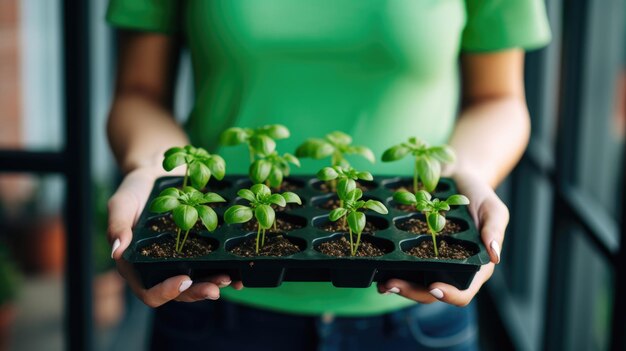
490	137
140	130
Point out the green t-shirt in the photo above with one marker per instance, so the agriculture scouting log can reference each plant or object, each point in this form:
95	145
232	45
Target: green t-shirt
380	70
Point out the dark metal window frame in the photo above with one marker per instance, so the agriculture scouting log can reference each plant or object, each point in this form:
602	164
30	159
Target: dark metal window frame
73	162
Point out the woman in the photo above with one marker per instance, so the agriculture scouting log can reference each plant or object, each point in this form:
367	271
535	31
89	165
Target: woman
380	70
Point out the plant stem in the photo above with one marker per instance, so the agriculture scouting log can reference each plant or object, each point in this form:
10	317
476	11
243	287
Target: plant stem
415	177
358	241
177	239
432	233
186	176
251	150
263	238
352	252
258	235
180	249
333	185
275	227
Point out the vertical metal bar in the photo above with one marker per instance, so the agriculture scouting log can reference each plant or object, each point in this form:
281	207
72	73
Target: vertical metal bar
78	221
618	323
574	34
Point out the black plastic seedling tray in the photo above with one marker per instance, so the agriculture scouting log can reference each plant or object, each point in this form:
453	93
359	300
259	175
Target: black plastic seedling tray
310	265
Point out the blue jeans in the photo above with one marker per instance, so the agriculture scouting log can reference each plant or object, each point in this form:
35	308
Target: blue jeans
223	325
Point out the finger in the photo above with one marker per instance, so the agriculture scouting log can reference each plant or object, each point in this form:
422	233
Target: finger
200	291
238	285
449	294
493	219
221	280
408	290
122	207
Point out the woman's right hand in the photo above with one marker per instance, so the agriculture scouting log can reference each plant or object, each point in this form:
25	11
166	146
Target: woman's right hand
125	206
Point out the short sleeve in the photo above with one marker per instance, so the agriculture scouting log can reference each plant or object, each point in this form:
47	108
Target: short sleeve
146	15
494	25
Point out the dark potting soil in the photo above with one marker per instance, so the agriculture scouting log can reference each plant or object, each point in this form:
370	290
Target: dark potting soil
166	224
370	227
194	246
289	207
341	248
275	245
425	249
364	186
282	226
418	226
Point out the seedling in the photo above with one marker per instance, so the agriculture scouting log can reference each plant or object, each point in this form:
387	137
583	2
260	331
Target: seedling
434	210
260	141
356	219
428	160
337	146
186	206
260	200
339	176
271	169
200	164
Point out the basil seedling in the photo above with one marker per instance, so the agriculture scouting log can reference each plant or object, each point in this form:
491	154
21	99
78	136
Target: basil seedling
337	146
340	176
432	209
260	141
272	168
200	164
428	160
260	200
186	206
355	219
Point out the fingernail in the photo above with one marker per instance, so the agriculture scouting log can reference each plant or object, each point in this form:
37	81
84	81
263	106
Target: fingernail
184	285
438	294
212	297
116	245
224	283
393	290
496	249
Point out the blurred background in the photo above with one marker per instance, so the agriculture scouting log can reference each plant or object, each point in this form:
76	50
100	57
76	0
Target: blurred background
558	287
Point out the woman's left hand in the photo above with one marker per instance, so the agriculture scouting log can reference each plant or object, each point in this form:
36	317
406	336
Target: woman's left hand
492	217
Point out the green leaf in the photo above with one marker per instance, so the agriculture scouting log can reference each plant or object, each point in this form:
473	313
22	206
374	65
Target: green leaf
261	191
365	176
199	174
395	153
365	152
276	177
442	153
217	165
436	222
265	215
291	159
185	216
423	195
457	200
422	205
207	216
233	136
173	150
429	171
315	148
238	214
260	171
291	197
356	221
344	187
277	199
262	144
327	173
213	197
277	131
174	160
354	194
376	206
337	213
170	192
247	194
339	138
404	198
164	203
